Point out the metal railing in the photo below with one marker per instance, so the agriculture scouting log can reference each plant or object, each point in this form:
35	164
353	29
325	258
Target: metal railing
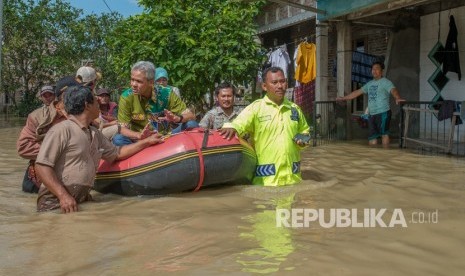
431	127
328	123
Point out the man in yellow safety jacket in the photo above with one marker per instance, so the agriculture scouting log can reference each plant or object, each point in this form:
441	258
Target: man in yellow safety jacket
273	122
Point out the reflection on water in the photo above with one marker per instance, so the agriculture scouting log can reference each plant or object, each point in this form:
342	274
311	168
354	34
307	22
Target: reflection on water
232	230
273	244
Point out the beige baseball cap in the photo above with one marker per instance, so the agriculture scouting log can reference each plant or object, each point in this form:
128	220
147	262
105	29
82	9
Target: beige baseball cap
87	74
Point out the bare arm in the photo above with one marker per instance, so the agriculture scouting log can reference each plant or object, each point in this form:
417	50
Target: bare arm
131	134
131	149
354	94
67	203
27	144
99	123
187	115
395	94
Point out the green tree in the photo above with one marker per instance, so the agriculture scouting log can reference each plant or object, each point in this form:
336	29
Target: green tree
91	36
45	40
31	49
199	42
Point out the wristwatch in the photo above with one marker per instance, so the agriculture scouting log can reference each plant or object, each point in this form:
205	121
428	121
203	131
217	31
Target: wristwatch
180	119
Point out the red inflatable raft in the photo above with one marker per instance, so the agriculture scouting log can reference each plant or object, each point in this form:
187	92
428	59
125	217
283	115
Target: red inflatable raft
186	161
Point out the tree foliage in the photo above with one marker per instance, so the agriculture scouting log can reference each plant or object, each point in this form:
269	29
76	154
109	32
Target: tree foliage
199	42
45	40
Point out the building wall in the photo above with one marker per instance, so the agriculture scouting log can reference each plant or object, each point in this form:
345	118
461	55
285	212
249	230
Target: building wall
401	61
430	27
273	12
376	44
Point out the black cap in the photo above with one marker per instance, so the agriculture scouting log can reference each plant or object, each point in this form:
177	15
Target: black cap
102	91
64	83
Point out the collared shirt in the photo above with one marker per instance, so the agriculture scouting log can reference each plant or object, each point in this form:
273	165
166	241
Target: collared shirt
134	111
74	152
272	128
215	118
37	124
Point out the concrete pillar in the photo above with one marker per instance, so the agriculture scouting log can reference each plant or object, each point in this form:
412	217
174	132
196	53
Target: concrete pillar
344	72
321	86
344	58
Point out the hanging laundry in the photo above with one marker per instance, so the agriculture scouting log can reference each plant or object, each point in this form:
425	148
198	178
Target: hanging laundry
305	62
451	51
280	58
264	66
361	66
304	96
447	109
296	52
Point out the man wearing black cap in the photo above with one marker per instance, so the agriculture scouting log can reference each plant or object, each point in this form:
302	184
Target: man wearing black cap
107	122
108	109
37	124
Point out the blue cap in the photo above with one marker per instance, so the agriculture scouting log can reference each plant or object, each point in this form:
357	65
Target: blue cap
160	72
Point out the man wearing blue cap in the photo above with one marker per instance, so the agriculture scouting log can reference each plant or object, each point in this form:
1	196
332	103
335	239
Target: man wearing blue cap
161	78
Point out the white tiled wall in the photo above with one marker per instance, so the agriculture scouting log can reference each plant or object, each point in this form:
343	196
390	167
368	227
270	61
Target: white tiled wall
430	25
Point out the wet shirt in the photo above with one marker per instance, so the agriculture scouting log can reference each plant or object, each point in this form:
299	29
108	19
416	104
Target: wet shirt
272	129
215	118
74	152
378	92
134	111
37	124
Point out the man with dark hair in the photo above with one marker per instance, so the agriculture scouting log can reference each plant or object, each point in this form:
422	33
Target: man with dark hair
37	124
70	153
224	112
378	90
273	123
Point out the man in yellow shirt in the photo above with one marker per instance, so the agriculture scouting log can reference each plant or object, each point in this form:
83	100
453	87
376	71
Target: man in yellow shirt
273	122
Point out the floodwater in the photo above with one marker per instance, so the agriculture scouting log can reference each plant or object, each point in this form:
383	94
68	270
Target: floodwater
233	230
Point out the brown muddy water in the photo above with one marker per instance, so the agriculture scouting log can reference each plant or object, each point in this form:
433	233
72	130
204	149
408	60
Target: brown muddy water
233	230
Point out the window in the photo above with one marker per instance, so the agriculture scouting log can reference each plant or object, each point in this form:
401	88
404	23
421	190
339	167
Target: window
360	103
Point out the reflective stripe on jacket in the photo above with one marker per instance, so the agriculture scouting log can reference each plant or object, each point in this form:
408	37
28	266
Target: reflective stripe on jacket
272	129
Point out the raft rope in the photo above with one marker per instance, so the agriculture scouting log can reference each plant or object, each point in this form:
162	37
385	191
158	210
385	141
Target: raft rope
205	139
201	161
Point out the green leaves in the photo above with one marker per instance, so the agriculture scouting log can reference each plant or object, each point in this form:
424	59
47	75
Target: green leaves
45	40
199	42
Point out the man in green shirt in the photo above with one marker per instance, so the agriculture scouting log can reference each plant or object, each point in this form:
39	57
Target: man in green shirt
147	107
